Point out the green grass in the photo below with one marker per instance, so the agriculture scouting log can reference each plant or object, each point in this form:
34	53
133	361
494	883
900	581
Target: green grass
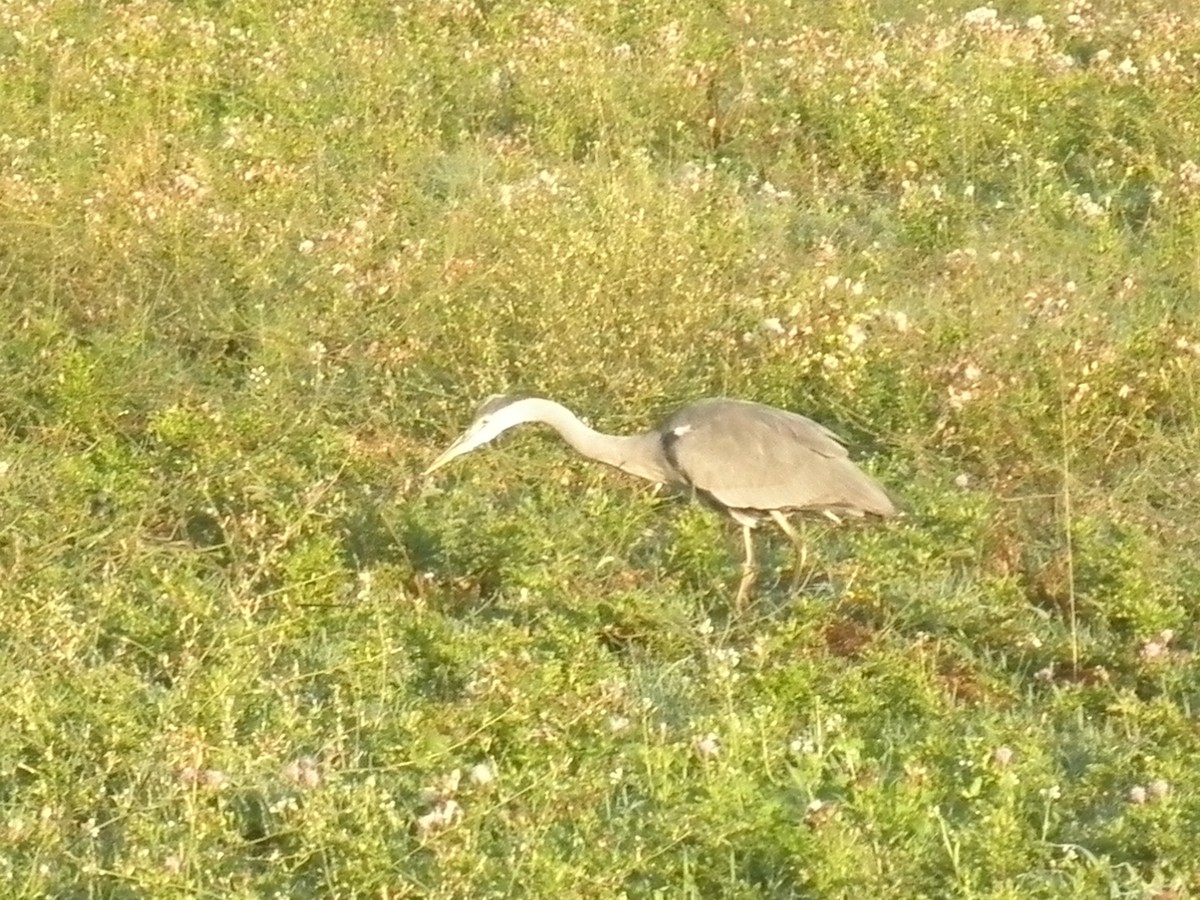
258	263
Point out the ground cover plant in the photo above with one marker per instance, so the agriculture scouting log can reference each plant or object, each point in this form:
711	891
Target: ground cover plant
258	263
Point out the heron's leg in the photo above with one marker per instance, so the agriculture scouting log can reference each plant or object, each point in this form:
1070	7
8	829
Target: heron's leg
749	570
797	542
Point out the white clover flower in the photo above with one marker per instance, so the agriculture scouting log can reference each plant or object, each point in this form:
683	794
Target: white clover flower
707	747
856	336
304	772
981	16
482	774
802	746
1157	647
443	815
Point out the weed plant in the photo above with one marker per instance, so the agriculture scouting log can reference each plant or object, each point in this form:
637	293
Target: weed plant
258	263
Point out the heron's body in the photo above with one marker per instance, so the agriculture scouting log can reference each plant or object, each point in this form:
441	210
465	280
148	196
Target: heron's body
750	461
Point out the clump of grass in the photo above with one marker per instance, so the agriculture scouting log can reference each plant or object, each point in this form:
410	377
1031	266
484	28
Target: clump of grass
260	264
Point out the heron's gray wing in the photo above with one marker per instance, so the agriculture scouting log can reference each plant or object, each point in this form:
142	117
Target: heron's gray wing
751	457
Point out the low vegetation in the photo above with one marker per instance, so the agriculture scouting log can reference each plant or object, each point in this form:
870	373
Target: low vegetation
259	263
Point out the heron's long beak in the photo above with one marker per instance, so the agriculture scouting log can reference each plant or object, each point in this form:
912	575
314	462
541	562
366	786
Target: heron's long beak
454	450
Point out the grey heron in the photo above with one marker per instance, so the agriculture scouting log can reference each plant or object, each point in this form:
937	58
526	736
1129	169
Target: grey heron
749	461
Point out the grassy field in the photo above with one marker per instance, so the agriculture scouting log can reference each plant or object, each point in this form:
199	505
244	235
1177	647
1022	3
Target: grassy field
258	264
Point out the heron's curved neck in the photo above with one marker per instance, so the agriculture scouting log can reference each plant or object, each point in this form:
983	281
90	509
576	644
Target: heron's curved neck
638	454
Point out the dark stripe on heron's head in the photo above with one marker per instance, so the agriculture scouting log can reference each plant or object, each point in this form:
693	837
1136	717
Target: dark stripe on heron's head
497	402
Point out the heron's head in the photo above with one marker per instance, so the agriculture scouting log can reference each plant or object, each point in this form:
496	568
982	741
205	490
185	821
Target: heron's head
494	416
